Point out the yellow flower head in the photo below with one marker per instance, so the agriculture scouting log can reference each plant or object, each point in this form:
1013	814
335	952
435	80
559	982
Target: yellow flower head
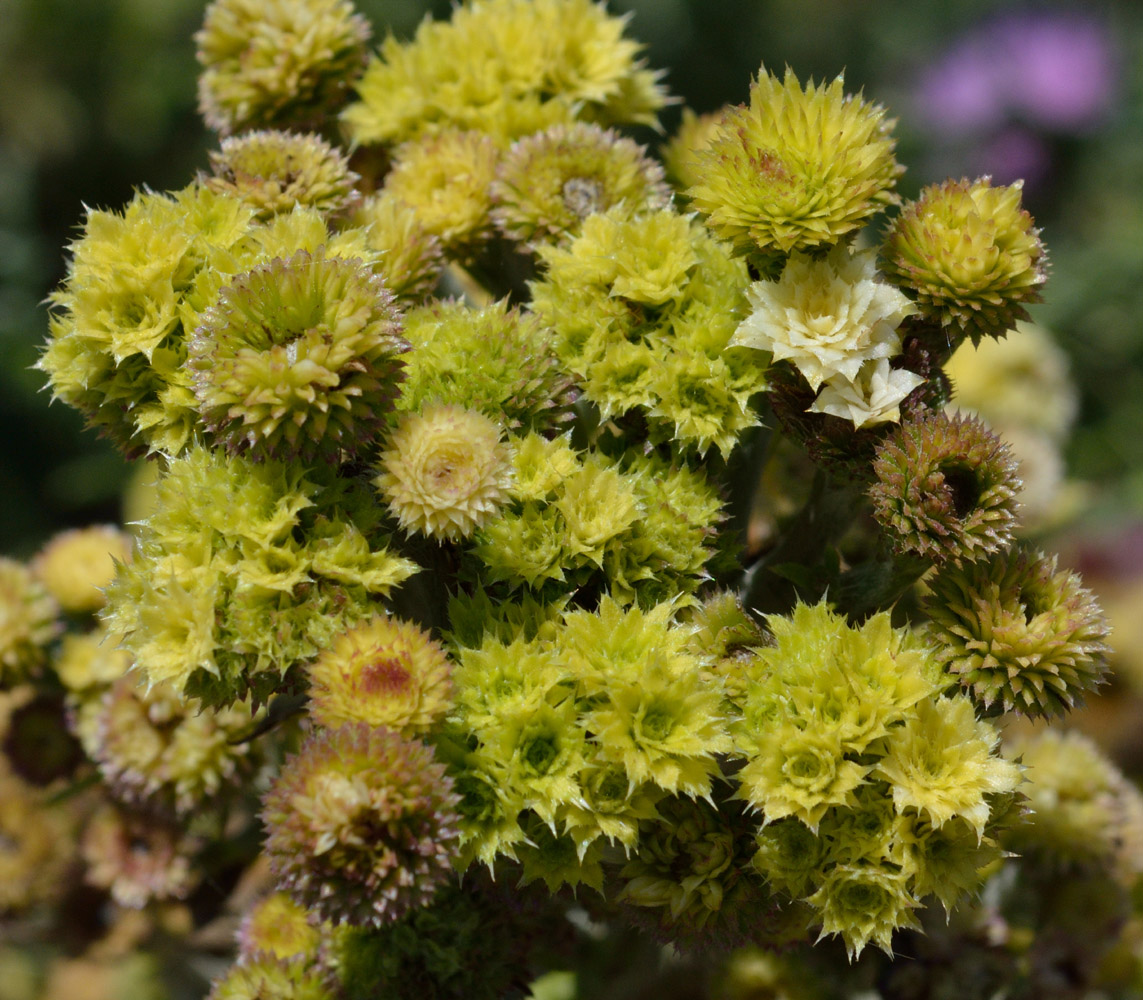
447	180
277	63
411	260
681	154
279	926
445	472
796	170
385	672
826	317
76	565
506	68
28	619
273	171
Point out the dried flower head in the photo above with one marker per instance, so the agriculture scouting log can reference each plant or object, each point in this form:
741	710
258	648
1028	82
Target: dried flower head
446	179
76	565
280	927
159	749
29	620
969	255
507	68
445	471
946	488
410	257
827	317
1017	632
798	169
277	63
384	672
549	182
361	825
298	359
273	171
138	858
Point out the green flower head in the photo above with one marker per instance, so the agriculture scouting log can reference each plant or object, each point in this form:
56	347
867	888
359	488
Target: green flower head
361	825
797	169
865	903
274	171
1017	632
550	182
969	255
299	359
946	488
277	63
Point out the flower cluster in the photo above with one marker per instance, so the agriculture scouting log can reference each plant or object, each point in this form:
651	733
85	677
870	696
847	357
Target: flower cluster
478	572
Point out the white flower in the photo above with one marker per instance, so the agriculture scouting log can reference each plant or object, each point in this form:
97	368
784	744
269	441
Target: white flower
872	398
828	317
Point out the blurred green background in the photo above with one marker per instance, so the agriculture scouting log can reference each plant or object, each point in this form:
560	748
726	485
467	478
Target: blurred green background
98	98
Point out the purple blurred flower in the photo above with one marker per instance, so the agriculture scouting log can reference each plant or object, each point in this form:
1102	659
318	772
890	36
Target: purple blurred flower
1054	70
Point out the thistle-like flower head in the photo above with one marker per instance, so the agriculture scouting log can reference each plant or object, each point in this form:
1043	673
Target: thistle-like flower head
827	317
1018	632
946	488
76	565
384	672
361	825
445	471
264	976
863	903
273	171
299	359
681	154
279	926
277	63
799	169
411	259
969	255
548	183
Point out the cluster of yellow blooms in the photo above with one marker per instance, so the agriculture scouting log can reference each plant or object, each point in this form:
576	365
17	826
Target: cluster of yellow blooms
459	410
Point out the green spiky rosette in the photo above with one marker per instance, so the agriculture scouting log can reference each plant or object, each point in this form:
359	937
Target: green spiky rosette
299	360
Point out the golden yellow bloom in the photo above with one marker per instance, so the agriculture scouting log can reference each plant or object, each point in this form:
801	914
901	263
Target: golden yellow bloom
385	672
76	565
445	472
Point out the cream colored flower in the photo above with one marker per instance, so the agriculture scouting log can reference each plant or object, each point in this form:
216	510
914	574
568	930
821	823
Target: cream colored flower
827	317
874	397
445	472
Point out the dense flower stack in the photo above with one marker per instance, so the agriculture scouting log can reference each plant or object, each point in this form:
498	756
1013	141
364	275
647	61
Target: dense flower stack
446	645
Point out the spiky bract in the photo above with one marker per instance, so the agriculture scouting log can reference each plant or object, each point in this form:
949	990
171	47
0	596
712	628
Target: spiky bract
498	360
266	977
29	620
969	255
643	309
799	169
548	183
361	825
384	672
507	68
277	63
241	575
445	471
1018	633
299	360
946	488
273	171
